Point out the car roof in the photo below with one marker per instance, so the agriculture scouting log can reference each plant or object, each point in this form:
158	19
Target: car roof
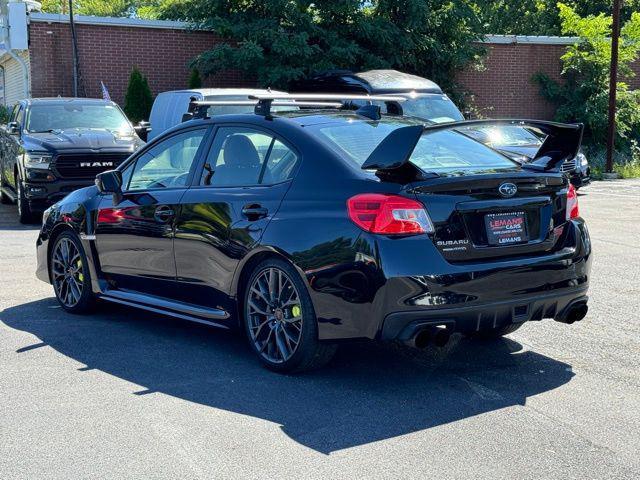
302	118
374	81
214	92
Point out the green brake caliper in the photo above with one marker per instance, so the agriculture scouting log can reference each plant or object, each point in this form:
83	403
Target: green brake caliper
296	311
79	267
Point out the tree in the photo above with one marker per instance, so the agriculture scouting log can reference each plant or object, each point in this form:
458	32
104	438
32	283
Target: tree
138	99
583	96
195	80
103	8
538	17
278	41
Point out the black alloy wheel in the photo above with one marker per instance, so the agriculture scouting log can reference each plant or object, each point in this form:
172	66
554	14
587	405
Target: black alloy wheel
279	320
69	274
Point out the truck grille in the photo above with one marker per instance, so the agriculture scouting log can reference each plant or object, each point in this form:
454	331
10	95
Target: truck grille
569	166
86	165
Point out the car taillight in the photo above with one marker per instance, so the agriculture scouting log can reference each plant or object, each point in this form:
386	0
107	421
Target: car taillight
389	214
572	203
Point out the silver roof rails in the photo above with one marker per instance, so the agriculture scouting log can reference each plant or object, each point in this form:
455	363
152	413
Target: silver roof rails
264	101
327	96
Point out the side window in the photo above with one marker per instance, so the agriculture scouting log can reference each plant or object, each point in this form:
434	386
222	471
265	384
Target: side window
20	117
280	163
244	157
167	164
14	113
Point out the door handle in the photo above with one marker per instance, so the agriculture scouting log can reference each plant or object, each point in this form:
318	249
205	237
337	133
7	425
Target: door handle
163	214
254	211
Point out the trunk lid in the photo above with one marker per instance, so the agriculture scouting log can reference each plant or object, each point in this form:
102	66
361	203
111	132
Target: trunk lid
492	215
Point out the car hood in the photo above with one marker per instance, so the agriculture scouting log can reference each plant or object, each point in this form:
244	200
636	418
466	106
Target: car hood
81	139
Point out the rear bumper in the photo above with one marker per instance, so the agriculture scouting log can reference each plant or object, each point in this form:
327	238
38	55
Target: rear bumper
404	325
579	178
411	282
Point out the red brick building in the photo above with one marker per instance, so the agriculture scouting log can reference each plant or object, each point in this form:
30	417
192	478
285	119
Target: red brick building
503	87
110	47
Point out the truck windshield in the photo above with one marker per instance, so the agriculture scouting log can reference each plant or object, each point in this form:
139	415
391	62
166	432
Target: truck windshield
435	108
238	109
444	151
72	115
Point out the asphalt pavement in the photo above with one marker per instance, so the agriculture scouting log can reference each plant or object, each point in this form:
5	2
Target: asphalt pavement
129	394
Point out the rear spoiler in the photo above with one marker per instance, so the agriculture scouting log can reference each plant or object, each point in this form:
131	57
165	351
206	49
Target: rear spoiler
562	143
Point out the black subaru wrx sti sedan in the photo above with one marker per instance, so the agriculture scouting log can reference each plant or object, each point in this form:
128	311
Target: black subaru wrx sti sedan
310	227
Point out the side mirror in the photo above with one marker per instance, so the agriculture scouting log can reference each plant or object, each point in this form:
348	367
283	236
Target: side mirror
142	129
110	182
13	128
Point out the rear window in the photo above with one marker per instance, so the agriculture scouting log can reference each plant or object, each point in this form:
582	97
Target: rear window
444	151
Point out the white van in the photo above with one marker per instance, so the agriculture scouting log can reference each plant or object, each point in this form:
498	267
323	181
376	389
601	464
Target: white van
169	107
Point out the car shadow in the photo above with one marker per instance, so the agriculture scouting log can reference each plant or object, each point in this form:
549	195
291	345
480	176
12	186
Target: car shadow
369	392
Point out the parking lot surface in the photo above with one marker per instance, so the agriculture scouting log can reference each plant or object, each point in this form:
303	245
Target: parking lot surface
128	394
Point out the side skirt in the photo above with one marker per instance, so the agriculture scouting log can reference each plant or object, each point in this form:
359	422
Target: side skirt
184	311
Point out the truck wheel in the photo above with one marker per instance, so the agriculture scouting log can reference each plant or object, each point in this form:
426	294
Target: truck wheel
25	214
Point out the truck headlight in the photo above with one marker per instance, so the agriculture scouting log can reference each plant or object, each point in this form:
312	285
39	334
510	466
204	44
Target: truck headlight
582	159
39	160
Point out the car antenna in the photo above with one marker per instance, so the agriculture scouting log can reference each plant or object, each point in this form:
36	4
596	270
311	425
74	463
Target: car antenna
370	111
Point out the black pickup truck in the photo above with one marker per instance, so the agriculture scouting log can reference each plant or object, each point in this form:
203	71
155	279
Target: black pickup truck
52	146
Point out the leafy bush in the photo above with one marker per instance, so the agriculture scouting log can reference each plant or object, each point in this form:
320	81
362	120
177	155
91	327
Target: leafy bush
138	99
583	96
5	113
195	80
626	163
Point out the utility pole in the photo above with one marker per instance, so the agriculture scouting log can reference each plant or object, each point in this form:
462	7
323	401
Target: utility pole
74	46
613	84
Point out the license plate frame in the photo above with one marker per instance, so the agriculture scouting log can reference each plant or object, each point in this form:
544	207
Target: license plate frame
506	228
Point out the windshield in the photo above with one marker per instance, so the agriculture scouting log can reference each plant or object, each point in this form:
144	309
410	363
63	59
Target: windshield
435	108
444	151
238	109
70	115
505	136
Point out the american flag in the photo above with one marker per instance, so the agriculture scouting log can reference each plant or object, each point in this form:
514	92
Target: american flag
105	92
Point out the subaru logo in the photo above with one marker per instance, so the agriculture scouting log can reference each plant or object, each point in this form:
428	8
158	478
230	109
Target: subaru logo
508	189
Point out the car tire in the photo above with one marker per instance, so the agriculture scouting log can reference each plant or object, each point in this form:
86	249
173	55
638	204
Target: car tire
25	215
71	280
280	321
495	333
4	198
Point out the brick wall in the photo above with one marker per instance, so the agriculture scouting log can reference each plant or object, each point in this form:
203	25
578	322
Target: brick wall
108	53
503	86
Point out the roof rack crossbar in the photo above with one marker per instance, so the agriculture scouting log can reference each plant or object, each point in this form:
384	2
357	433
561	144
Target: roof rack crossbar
327	96
264	102
199	109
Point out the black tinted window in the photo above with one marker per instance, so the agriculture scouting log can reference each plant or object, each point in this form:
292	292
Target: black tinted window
243	157
441	151
167	164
